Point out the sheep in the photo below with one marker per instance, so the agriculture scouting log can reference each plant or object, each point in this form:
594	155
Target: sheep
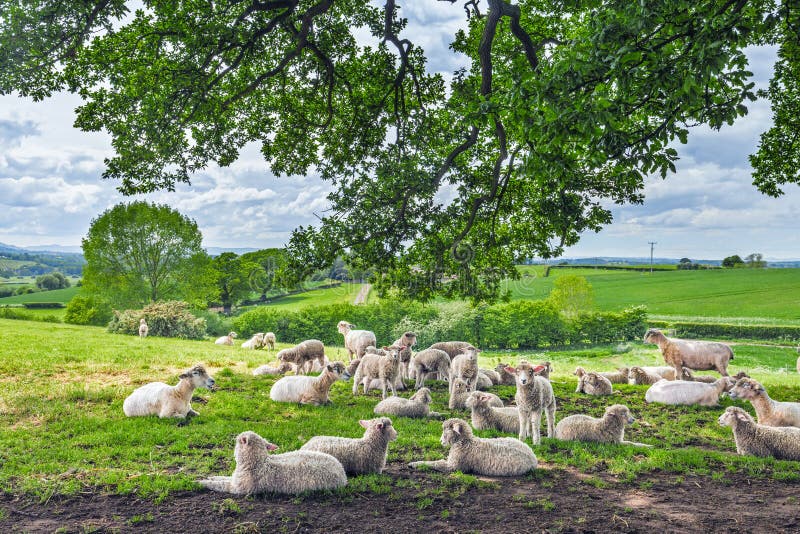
384	368
316	366
685	392
664	371
483	382
294	472
270	340
418	406
407	341
351	368
452	348
638	376
143	328
158	398
696	355
459	391
282	369
356	341
547	368
769	412
430	361
226	340
358	456
254	342
782	443
480	456
506	378
608	429
465	367
486	417
492	375
307	389
620	376
691	377
593	383
303	354
534	394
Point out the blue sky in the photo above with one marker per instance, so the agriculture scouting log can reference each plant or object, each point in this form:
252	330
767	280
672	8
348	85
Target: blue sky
50	185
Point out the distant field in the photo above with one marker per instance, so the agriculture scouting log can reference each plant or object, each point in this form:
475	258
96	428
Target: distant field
343	294
57	295
5	263
764	293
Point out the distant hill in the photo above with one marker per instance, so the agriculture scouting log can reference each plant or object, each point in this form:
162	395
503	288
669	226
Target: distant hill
216	251
616	260
20	261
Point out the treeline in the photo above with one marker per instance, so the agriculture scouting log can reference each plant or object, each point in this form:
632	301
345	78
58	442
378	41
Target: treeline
69	264
697	330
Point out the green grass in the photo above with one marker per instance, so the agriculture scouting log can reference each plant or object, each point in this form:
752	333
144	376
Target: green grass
343	294
57	295
62	429
7	264
756	293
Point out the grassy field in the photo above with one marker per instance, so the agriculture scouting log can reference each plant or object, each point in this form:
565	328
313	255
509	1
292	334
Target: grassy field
343	294
57	295
62	430
744	293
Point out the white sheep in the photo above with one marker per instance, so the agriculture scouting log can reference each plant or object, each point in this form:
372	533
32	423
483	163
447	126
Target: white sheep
358	456
163	400
282	369
782	443
492	375
638	376
534	395
270	340
592	383
226	340
418	406
356	341
459	391
691	377
482	381
307	389
303	355
769	412
465	367
506	378
688	393
254	342
407	341
620	376
294	472
608	429
486	417
696	355
428	362
143	328
383	367
489	457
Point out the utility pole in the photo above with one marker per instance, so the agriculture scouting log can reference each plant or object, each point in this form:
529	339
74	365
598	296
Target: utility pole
652	244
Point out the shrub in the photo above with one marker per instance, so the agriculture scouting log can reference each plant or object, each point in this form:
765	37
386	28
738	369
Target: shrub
167	319
6	292
88	311
43	305
523	324
216	324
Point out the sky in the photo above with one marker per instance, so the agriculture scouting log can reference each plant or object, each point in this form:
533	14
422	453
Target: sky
51	186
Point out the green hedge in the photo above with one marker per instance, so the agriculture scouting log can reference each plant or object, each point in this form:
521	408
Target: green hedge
7	312
729	331
171	318
43	305
517	325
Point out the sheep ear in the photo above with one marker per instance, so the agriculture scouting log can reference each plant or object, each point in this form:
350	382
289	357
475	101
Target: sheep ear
243	440
379	426
538	369
457	428
185	375
741	416
330	367
510	369
363	423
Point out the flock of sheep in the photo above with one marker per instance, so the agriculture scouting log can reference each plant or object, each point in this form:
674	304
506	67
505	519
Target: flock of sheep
324	462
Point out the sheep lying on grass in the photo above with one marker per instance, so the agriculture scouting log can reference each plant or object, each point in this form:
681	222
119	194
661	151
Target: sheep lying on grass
383	367
782	443
534	395
506	378
696	355
356	341
158	398
620	376
418	406
482	381
358	456
492	375
547	368
143	328
270	340
691	377
303	355
486	417
307	389
481	456
459	391
688	393
638	376
769	412
592	383
254	342
428	362
608	429
282	369
295	472
226	340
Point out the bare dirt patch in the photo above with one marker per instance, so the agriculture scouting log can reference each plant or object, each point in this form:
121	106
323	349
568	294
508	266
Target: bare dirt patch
554	501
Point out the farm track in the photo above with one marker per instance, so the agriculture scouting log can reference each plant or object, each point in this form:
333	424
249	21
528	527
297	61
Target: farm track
363	293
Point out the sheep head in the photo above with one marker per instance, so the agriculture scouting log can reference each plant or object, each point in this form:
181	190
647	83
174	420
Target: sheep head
732	414
381	425
455	430
344	327
652	335
198	376
747	389
621	411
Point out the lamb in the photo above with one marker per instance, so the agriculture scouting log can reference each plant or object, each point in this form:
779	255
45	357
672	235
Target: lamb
226	340
782	443
294	472
418	406
407	341
492	375
608	429
385	368
430	361
465	367
691	377
356	341
769	412
157	398
485	417
143	328
270	340
638	376
696	355
459	391
483	382
303	354
282	369
593	384
620	376
307	389
481	456
547	368
358	456
506	378
534	394
688	393
254	342
664	371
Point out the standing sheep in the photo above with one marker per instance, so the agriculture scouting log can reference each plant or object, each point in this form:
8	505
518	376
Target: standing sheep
270	340
294	472
383	367
158	398
254	342
769	412
499	457
226	340
486	417
418	406
688	393
465	367
696	355
143	328
406	341
358	456
452	348
534	394
356	341
782	443
303	355
430	361
459	391
608	429
307	389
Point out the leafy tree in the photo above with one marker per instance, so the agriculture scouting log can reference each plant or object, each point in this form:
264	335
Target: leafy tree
755	261
273	265
562	111
236	278
732	261
685	260
571	295
54	280
140	252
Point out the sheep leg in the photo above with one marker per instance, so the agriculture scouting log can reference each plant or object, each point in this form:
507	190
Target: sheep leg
217	483
524	423
536	427
437	465
551	420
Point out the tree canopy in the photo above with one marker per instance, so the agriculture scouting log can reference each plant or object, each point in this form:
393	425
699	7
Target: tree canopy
441	183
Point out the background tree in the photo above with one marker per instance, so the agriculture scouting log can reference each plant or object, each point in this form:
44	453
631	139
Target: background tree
54	280
732	261
140	252
563	110
236	278
273	264
571	295
755	261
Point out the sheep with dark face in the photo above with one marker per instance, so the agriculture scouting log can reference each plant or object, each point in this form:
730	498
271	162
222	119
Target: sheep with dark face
696	355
